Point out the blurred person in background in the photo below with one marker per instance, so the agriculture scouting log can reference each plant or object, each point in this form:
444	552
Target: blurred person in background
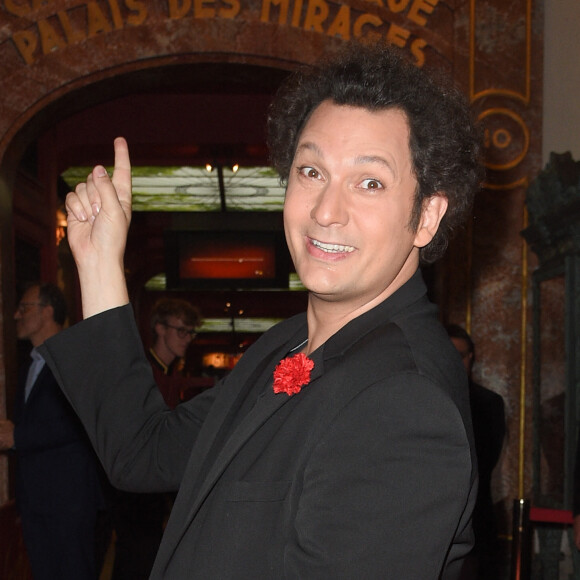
488	414
58	476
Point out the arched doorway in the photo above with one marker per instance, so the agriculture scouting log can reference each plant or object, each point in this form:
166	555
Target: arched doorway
183	112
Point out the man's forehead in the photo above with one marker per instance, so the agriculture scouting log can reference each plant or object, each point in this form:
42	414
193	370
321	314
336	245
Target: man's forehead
328	105
460	343
177	321
382	133
30	294
384	117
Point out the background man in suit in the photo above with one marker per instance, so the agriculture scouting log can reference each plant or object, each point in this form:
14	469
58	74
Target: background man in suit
340	446
487	411
58	489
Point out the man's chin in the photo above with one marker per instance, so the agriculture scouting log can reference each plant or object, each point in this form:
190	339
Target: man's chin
327	295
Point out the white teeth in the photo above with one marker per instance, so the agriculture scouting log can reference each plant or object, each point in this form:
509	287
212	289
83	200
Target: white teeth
333	248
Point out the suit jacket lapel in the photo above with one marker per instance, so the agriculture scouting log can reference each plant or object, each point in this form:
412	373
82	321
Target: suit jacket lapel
269	402
266	405
269	354
187	504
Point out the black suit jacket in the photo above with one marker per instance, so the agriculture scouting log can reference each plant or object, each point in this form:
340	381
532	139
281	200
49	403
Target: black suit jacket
58	491
368	472
57	470
488	414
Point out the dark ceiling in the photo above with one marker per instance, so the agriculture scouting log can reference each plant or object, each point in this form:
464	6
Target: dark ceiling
176	114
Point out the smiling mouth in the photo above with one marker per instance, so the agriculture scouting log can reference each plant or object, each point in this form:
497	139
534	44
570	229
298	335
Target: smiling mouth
332	248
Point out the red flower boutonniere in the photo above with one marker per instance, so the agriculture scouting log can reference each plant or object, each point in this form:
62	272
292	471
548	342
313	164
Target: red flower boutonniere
292	374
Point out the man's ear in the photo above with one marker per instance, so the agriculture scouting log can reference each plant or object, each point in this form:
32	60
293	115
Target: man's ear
48	312
432	213
159	329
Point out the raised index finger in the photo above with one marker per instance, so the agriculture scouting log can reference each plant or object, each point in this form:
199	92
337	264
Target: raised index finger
122	173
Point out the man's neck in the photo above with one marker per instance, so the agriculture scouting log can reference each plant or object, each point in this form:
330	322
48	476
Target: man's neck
326	318
44	334
162	355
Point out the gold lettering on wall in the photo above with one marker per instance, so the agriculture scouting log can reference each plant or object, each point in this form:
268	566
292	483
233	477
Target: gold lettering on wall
419	9
325	17
73	35
60	30
49	33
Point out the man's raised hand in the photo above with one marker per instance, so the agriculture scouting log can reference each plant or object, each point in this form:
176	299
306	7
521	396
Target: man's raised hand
99	214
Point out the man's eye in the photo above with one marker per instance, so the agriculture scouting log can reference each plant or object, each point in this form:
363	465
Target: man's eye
372	184
309	172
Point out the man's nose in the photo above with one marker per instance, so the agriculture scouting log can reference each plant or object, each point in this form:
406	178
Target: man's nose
330	207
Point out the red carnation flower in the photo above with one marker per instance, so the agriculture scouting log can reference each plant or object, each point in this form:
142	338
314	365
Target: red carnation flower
292	374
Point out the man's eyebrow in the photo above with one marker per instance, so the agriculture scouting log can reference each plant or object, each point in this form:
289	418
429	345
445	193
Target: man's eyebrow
363	159
359	160
309	146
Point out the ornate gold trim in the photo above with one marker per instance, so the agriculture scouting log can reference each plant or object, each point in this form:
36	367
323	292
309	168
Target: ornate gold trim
523	354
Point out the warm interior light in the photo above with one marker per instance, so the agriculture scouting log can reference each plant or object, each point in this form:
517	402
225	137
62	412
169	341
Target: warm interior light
61	224
218	360
208	167
235	168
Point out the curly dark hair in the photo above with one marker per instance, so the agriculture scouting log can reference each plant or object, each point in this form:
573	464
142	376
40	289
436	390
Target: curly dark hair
445	141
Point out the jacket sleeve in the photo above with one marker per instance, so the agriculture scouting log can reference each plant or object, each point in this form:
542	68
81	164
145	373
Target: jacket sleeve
386	487
101	366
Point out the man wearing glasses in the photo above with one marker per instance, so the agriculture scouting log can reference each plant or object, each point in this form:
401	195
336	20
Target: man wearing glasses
58	490
173	324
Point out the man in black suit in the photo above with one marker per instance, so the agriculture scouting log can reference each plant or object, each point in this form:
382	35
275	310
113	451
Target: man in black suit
58	489
341	445
488	414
